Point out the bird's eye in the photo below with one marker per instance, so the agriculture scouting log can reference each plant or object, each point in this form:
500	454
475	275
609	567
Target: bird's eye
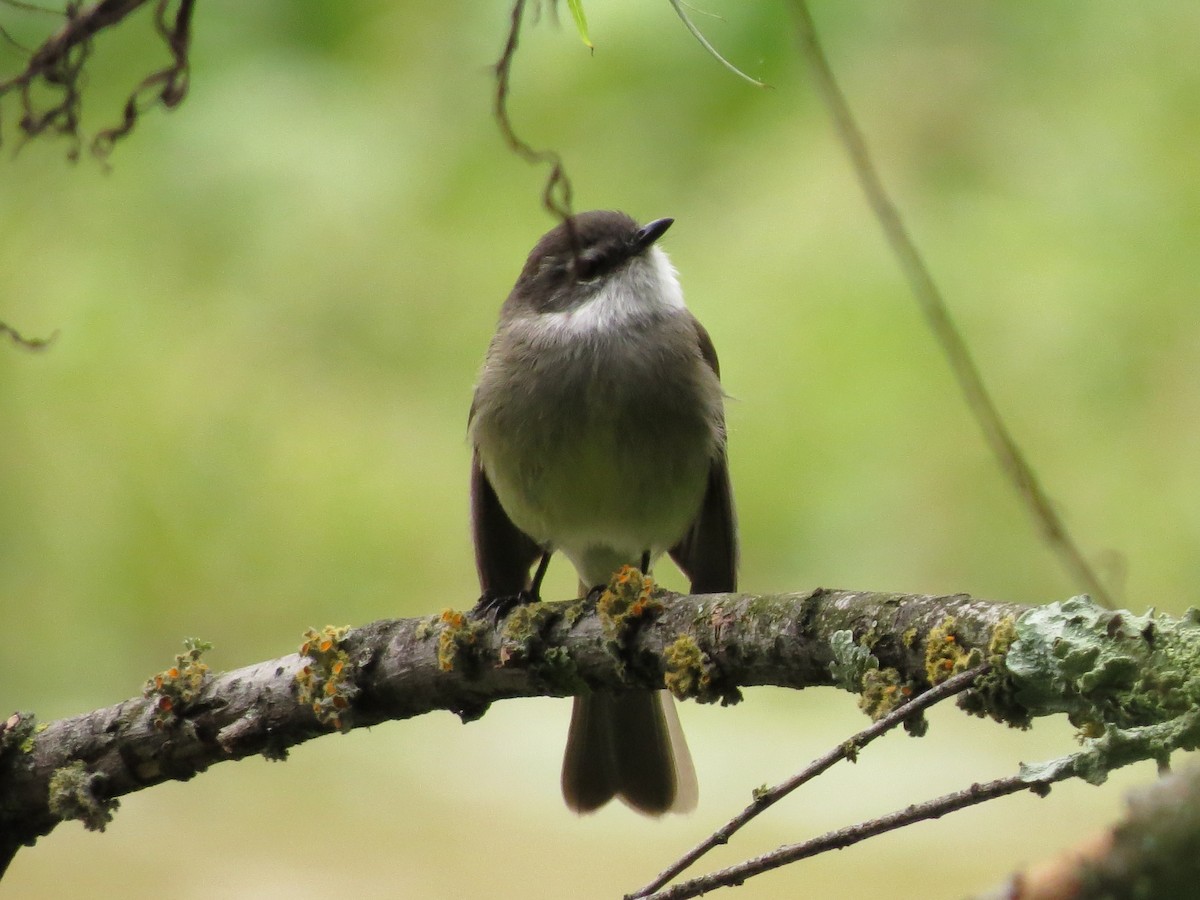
588	265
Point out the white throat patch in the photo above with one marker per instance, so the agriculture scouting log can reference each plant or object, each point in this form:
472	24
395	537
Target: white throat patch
649	284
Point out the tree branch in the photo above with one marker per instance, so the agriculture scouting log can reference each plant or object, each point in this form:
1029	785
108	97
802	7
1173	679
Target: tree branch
1068	657
764	799
849	836
929	297
705	647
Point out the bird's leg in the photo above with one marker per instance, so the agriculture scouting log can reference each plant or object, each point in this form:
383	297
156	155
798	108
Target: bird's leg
497	606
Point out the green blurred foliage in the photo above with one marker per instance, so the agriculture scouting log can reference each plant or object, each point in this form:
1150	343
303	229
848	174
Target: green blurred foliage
269	316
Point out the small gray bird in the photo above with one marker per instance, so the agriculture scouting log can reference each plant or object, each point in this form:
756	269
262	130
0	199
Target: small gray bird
598	430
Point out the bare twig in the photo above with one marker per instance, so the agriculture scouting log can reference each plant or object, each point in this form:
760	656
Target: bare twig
32	7
59	62
556	195
26	343
933	304
168	85
846	837
12	41
846	750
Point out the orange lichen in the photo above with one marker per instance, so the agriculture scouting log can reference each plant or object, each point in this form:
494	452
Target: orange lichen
176	687
324	683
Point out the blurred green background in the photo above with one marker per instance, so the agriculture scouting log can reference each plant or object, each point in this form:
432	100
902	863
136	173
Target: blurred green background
271	310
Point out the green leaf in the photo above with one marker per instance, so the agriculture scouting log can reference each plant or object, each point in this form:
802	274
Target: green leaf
580	22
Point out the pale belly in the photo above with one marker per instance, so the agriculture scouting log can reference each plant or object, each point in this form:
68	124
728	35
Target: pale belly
606	501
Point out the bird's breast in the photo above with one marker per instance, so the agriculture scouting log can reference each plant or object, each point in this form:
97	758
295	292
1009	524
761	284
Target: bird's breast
604	440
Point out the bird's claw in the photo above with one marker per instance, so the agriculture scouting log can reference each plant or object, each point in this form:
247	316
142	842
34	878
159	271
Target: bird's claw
497	606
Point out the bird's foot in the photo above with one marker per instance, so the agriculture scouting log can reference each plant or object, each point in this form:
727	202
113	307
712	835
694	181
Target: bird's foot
497	606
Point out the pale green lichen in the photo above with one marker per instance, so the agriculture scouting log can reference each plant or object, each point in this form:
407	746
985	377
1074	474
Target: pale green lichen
1105	668
18	731
522	633
427	628
523	642
851	661
73	795
1131	684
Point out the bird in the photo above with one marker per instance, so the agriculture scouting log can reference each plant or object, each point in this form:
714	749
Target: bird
597	430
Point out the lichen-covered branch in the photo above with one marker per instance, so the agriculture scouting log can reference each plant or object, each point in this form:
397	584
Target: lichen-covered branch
886	647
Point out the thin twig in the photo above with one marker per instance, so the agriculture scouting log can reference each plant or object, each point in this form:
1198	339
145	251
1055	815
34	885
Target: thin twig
169	85
932	303
27	343
58	65
80	25
846	750
33	7
853	834
556	196
12	41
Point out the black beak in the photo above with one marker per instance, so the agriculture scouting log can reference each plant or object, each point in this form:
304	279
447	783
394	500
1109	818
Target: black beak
648	234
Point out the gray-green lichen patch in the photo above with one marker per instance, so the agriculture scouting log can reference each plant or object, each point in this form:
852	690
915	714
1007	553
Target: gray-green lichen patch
1106	668
1131	684
74	795
1117	747
851	661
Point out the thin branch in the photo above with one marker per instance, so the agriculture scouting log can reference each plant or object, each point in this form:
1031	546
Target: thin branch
933	305
32	7
12	41
847	837
849	749
556	195
26	343
58	65
168	86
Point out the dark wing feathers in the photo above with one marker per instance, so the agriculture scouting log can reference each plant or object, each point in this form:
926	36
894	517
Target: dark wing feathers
503	553
708	553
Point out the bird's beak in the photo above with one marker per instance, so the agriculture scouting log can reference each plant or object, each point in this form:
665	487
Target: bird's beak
648	234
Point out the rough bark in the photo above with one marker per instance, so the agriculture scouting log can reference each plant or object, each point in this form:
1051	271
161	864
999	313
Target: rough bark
1130	683
705	647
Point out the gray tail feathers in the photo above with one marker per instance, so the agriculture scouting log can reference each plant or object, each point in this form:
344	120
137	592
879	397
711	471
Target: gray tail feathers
628	746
